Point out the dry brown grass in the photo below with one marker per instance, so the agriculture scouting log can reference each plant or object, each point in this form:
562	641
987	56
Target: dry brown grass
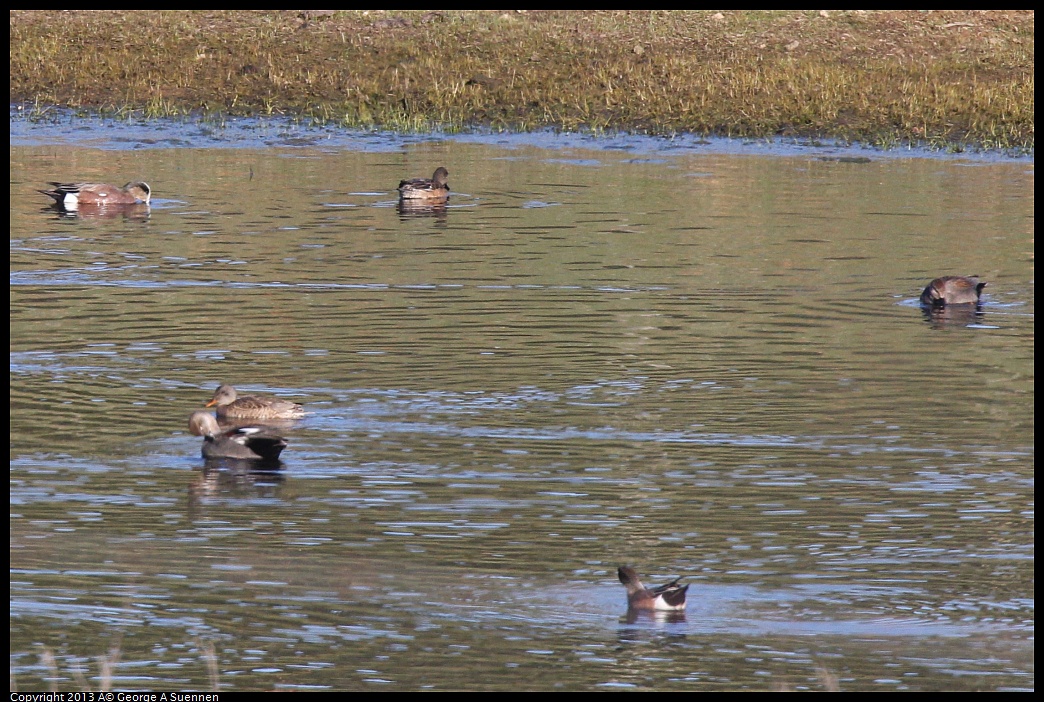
946	78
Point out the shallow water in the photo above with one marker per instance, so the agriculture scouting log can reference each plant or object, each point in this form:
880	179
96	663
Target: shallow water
704	360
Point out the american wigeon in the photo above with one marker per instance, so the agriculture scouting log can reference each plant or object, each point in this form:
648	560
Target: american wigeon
669	597
952	290
72	195
231	405
243	443
425	189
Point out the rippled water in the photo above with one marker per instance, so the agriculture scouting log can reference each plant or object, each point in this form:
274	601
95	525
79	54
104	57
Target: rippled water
706	362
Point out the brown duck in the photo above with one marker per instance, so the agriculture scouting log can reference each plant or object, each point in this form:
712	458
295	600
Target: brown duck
434	188
229	404
953	290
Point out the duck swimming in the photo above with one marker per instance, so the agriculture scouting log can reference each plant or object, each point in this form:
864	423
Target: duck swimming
72	195
953	290
233	406
426	189
669	597
243	443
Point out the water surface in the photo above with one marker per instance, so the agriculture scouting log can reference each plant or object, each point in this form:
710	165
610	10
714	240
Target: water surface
705	362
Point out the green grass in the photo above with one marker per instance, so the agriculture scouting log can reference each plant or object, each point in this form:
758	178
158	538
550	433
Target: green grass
947	79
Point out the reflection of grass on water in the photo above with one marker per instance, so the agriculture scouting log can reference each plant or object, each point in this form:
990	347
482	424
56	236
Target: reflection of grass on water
107	662
942	78
828	680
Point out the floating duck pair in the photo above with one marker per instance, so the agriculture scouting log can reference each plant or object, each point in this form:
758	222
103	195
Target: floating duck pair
72	195
251	443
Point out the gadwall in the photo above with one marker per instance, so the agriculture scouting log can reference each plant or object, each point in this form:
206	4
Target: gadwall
952	290
425	189
243	443
670	597
230	405
72	195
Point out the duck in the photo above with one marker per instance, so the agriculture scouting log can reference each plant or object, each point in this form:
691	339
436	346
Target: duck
72	195
425	189
229	404
953	290
242	443
669	597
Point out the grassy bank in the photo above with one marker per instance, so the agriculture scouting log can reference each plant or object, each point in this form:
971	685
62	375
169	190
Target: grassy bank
948	79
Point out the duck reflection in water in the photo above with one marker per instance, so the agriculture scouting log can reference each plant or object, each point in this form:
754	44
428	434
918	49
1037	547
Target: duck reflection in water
953	316
130	213
414	209
222	478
